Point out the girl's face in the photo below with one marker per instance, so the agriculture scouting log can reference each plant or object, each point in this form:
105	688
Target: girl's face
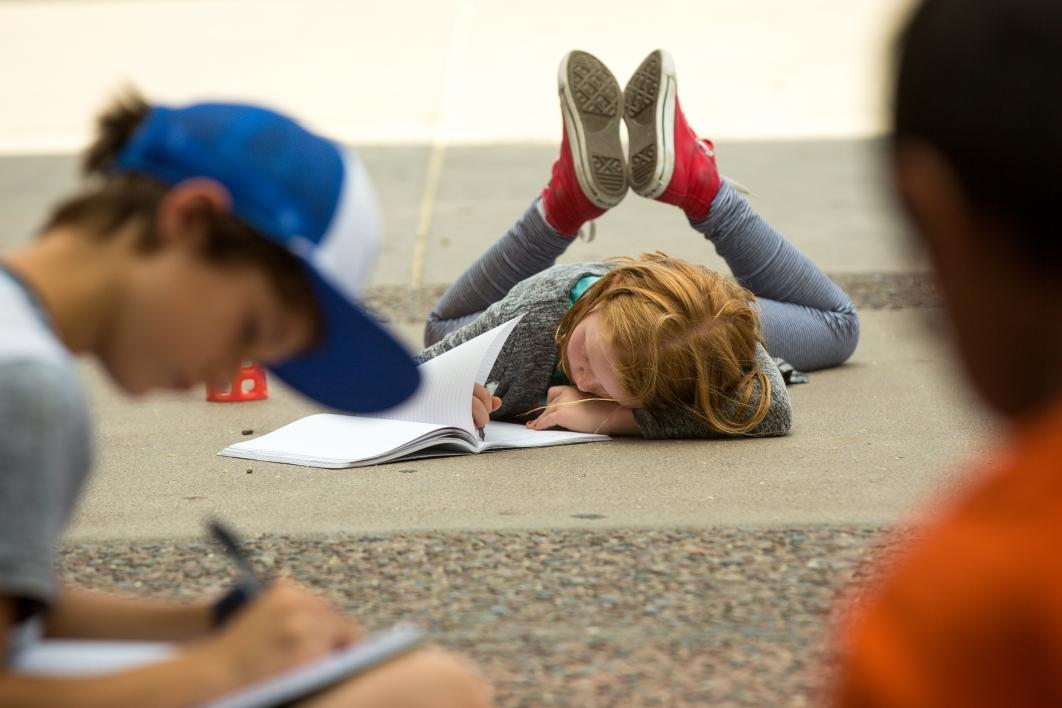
183	321
590	358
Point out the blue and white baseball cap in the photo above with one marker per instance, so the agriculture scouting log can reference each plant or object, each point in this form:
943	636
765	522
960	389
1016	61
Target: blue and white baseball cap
316	200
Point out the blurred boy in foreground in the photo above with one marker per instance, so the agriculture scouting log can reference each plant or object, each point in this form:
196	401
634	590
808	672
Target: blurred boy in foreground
972	615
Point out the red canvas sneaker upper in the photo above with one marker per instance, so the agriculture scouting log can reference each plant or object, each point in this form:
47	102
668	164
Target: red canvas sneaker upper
563	202
696	180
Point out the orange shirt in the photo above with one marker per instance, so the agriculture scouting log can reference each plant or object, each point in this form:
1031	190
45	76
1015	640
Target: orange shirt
972	615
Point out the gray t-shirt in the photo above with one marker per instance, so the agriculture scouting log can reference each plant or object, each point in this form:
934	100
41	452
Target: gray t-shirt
45	446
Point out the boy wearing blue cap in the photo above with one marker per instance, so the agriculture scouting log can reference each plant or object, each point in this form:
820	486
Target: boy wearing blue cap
212	234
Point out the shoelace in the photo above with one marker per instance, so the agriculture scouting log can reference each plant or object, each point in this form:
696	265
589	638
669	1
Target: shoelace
741	189
588	237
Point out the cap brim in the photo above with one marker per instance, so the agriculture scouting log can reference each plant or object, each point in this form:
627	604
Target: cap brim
357	367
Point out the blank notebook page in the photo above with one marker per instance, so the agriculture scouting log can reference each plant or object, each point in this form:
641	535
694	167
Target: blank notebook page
516	435
340	438
445	393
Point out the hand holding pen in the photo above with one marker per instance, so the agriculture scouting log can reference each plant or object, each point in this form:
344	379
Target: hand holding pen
250	584
484	402
264	627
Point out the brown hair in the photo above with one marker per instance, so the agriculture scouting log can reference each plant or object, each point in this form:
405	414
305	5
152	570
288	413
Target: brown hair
112	200
685	337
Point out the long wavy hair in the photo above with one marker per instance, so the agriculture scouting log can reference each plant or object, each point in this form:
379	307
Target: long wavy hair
684	337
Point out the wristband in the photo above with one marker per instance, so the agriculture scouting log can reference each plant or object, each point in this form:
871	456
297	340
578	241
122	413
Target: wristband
229	604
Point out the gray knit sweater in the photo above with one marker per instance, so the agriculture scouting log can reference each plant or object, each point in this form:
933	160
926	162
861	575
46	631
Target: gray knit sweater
529	357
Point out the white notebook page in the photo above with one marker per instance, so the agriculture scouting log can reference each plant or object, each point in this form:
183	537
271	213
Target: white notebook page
445	393
503	435
333	438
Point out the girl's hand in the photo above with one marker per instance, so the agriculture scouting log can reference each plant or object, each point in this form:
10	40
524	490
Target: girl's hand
483	404
569	408
284	627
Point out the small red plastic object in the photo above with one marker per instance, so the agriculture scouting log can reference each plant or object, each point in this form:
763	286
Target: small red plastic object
248	385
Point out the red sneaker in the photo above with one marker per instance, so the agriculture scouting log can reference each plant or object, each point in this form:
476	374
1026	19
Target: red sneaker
668	162
589	176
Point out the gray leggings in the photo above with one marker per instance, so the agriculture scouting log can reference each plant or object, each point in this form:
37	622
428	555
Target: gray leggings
806	319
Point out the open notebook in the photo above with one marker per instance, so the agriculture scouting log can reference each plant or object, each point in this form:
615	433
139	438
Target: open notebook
435	422
82	658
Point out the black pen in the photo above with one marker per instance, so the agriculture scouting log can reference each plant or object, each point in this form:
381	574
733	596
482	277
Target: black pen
251	583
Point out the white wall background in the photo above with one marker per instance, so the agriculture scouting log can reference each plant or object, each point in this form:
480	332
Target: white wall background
451	71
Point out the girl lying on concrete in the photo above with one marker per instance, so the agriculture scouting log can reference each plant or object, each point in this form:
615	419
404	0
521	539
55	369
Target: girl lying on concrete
655	346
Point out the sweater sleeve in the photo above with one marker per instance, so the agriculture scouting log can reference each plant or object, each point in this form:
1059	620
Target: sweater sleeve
525	365
544	293
680	423
491	317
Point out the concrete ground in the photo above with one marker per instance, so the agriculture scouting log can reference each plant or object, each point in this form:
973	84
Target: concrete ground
870	439
623	573
619	573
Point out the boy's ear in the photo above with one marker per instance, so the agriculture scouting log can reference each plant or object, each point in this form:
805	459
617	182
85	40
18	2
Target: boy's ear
181	213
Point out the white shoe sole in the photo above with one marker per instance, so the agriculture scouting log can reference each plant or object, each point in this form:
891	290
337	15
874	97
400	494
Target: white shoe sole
649	112
592	107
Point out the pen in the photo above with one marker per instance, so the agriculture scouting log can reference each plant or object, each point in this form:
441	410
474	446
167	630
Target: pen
491	388
251	583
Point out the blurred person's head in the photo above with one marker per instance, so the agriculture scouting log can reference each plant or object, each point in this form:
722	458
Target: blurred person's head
977	149
661	332
249	298
212	234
